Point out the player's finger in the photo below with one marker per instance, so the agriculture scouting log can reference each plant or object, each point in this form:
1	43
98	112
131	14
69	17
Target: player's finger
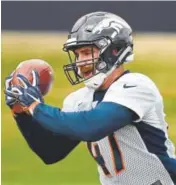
17	89
14	92
23	80
10	101
36	78
7	82
11	94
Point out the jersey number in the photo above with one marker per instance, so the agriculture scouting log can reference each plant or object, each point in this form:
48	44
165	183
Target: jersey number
116	156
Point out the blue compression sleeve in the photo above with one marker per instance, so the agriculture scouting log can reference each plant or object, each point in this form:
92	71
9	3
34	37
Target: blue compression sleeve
50	147
85	125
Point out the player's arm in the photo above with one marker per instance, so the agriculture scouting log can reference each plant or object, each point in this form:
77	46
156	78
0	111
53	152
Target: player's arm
50	147
86	125
126	101
90	125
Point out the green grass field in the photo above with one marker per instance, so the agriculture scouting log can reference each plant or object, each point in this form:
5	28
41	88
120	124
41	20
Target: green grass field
155	57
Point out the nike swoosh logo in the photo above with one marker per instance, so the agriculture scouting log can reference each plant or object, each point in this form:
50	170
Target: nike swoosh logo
128	86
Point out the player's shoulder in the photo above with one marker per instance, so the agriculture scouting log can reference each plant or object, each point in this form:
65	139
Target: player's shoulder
141	81
137	79
75	96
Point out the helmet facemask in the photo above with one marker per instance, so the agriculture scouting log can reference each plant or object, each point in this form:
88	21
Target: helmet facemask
76	70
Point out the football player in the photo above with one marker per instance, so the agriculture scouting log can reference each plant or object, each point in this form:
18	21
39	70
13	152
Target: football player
118	113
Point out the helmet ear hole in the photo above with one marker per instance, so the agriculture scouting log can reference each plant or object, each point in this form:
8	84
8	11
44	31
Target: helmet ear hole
115	52
110	56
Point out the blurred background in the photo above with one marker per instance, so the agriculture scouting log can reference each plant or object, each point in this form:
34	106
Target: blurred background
38	30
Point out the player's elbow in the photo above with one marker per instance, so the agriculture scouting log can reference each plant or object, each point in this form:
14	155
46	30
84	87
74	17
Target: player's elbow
48	162
49	157
51	160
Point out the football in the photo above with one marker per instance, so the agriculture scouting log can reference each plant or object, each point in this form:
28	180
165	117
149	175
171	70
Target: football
25	68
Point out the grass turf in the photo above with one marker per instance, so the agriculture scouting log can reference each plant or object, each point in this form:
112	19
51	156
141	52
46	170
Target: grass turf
155	57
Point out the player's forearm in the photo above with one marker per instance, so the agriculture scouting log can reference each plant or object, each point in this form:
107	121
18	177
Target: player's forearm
86	125
49	147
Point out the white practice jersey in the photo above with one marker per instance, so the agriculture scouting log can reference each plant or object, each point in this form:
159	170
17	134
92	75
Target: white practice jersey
131	155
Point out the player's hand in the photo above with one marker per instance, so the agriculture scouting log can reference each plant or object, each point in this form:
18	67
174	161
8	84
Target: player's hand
10	101
26	94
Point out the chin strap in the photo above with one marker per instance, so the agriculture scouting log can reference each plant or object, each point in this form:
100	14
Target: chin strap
96	81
